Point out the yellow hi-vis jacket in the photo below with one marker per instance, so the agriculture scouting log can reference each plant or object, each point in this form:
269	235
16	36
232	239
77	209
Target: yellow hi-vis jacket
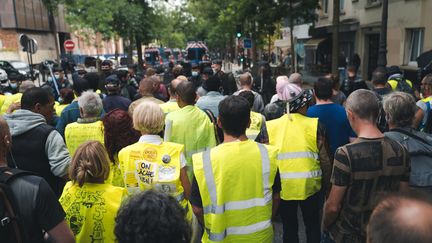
169	106
78	133
9	99
235	181
142	166
191	127
254	129
91	210
298	162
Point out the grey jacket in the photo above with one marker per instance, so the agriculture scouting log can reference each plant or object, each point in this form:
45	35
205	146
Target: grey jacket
22	121
419	146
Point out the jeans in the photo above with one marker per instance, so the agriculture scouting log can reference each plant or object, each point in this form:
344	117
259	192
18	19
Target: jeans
310	209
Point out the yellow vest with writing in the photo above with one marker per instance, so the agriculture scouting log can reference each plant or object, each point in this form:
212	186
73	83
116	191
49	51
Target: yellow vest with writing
235	182
115	177
299	166
142	168
91	210
79	133
255	125
9	99
169	106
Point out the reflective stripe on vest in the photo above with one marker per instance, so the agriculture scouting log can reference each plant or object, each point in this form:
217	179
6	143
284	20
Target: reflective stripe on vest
297	155
213	208
298	175
240	230
192	152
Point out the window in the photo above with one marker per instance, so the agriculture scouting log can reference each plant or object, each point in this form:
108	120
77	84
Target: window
415	43
342	5
325	4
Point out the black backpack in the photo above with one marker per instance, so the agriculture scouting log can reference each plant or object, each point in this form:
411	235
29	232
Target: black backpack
403	86
10	225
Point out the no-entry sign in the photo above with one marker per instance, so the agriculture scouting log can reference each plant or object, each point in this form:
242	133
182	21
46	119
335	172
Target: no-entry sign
69	45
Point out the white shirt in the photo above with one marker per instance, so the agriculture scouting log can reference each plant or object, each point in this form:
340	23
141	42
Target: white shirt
157	140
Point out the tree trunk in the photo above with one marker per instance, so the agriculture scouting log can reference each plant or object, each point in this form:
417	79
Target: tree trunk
335	45
382	51
53	29
269	48
291	23
138	43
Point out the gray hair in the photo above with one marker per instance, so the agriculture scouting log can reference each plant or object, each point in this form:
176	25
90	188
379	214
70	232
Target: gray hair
90	103
400	108
365	104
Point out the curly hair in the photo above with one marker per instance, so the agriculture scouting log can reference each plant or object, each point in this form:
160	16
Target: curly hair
152	217
118	131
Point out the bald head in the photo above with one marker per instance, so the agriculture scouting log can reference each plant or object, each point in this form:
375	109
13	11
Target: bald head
400	219
147	86
173	86
245	80
296	78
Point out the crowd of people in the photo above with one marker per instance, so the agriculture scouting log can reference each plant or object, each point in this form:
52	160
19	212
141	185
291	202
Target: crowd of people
121	157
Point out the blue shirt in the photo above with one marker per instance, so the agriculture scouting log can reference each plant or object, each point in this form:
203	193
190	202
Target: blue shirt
211	102
334	118
111	102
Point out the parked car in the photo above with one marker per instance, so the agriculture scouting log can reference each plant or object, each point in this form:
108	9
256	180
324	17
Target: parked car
3	76
24	69
10	70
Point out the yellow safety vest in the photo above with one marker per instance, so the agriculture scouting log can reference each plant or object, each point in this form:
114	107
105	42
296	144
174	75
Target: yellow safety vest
115	177
142	167
79	133
298	162
169	106
191	127
255	126
2	100
59	108
393	83
91	210
9	99
235	181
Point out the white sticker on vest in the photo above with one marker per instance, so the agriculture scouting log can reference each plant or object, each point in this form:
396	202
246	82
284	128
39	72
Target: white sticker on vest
146	171
166	173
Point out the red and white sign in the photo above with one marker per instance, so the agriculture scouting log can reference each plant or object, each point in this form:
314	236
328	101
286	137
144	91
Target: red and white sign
69	45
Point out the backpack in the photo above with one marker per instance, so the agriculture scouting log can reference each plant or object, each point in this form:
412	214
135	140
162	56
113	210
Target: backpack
10	225
403	86
217	130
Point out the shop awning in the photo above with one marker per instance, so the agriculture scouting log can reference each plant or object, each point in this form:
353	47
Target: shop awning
313	43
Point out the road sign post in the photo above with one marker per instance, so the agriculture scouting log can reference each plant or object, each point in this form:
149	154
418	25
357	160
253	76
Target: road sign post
247	43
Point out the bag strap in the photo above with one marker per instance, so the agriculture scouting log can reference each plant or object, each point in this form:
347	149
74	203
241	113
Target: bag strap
412	135
8	174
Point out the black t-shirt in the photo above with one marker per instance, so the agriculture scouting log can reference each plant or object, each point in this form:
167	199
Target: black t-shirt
195	198
38	206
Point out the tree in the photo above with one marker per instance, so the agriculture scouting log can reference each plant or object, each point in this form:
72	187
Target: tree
335	44
52	7
382	51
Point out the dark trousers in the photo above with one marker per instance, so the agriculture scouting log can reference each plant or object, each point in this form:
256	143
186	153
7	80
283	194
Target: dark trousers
310	209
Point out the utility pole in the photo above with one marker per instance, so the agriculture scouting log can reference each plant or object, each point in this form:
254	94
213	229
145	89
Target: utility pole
382	51
335	44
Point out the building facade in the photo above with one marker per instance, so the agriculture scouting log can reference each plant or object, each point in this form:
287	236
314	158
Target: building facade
409	33
30	17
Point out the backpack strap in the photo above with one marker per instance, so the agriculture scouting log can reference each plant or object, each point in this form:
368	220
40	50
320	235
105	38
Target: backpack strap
212	118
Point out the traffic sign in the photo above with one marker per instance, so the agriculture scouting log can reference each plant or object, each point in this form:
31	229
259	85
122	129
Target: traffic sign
247	43
69	45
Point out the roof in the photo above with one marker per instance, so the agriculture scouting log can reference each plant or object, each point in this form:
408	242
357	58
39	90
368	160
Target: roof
196	45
